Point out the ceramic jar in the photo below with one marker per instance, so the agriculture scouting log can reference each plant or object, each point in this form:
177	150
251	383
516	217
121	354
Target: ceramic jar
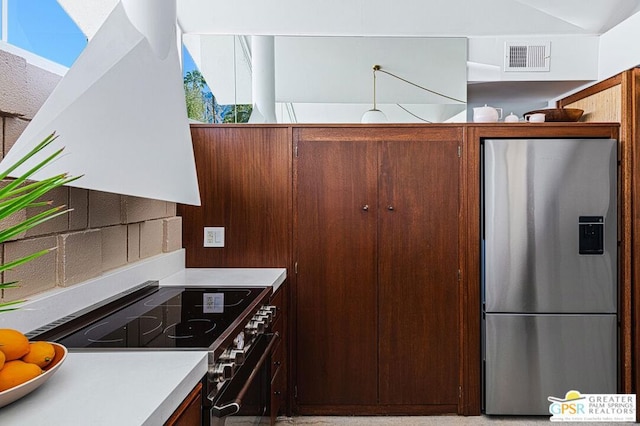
486	114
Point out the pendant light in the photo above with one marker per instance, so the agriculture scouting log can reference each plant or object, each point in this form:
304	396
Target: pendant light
374	115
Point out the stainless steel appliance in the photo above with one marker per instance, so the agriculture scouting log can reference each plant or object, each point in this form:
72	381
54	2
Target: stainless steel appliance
550	271
231	324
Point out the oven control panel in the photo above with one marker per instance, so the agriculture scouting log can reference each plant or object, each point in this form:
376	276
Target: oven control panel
234	356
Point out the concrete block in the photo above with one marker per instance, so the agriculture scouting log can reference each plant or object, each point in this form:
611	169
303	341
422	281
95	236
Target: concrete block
58	197
79	202
138	209
105	209
13	128
79	256
40	84
171	209
133	242
35	276
151	238
13	83
114	247
172	234
14	219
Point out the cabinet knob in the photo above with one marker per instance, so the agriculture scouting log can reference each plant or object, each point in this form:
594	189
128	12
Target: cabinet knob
365	207
390	208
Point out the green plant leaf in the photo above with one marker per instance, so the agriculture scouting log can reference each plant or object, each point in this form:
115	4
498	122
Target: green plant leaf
27	199
25	225
3	306
42	145
22	194
22	260
11	284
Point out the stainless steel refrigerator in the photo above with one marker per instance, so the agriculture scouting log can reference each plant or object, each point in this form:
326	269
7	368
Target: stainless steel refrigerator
550	271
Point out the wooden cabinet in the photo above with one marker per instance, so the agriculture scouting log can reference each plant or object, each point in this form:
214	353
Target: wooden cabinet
189	413
418	270
377	283
385	305
336	293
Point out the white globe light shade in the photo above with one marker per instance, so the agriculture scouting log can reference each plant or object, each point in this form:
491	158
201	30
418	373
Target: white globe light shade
374	116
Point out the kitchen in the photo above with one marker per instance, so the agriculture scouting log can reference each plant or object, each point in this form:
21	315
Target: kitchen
150	219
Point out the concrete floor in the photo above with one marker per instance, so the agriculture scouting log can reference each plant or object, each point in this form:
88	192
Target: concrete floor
411	421
420	421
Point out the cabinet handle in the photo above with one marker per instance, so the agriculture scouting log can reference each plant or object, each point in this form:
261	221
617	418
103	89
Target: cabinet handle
390	208
365	207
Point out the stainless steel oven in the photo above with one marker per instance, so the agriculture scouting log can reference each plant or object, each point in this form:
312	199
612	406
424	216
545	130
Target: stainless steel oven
231	323
246	398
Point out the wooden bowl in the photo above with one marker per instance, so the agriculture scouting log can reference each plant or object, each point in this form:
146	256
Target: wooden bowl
10	395
559	114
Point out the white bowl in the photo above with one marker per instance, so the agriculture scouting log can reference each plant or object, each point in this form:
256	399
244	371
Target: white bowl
10	395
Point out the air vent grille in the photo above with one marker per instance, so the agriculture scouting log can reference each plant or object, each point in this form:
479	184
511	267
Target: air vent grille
525	57
34	333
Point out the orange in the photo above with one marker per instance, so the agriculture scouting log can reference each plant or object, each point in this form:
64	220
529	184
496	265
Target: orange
14	344
40	354
17	372
2	358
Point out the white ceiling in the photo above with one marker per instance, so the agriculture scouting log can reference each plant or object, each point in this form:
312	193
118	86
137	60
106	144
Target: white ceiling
578	20
416	18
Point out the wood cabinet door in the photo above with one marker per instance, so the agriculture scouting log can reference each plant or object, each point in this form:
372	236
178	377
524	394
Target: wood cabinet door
336	295
418	272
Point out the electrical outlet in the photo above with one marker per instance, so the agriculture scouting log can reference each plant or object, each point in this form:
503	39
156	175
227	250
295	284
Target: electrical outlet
213	236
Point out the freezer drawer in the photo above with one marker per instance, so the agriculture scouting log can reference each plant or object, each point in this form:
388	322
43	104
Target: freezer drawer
531	357
550	216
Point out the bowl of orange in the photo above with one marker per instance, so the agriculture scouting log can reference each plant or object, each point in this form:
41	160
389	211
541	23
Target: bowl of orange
25	365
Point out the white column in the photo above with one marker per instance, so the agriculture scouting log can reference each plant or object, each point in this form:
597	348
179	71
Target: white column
156	20
263	80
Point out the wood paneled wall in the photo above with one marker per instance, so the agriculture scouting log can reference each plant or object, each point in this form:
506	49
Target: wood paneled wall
603	106
245	186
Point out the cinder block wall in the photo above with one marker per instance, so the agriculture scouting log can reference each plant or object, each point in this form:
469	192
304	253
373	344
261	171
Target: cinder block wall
103	232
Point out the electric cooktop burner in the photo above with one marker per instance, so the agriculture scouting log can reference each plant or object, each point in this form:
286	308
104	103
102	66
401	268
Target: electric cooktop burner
168	317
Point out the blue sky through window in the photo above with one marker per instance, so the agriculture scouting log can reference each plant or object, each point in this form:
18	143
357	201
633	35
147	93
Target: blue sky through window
187	62
44	28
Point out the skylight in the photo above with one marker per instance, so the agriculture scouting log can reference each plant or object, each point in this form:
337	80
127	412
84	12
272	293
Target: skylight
42	27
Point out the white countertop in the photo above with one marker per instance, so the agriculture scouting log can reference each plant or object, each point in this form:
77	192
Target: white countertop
233	277
111	388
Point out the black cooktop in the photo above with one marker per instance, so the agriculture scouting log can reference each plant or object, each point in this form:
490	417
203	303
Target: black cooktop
157	317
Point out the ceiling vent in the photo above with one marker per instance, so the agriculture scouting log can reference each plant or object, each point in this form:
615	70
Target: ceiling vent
527	57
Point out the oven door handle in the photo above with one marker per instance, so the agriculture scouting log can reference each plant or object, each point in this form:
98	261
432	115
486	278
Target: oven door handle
234	407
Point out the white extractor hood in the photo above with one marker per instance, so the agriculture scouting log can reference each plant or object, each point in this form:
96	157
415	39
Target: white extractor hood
120	111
